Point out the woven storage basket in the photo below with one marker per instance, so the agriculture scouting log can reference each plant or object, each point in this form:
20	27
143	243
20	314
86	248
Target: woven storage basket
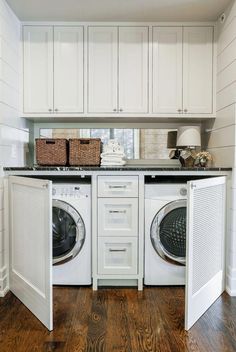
84	151
52	151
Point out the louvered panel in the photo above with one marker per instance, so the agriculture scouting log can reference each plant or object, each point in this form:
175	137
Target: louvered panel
207	234
205	246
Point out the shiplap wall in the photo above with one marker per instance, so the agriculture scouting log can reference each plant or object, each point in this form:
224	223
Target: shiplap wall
13	130
221	141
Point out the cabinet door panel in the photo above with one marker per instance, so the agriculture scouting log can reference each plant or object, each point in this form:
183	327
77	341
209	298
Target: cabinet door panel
30	257
102	69
68	69
38	69
133	69
198	70
167	69
205	246
117	217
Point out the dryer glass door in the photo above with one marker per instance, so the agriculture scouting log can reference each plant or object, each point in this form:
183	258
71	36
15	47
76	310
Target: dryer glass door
168	232
68	232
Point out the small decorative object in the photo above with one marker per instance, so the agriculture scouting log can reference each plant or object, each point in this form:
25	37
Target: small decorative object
113	154
171	144
202	159
188	138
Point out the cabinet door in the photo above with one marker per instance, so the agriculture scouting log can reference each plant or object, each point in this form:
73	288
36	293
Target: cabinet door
167	75
30	257
102	69
68	69
117	217
133	69
198	70
38	69
205	246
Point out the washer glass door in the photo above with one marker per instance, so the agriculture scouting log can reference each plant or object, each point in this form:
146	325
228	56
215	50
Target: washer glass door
68	232
168	232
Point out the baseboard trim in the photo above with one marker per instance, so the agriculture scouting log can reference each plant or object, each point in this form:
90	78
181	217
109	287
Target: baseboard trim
4	292
231	282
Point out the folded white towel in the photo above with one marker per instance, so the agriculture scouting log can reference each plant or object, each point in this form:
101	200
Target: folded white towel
114	163
109	154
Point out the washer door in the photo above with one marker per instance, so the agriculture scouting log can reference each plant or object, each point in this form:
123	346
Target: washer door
168	232
68	232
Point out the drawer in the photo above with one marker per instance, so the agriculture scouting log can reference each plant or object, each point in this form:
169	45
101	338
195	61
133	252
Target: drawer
117	186
117	217
117	256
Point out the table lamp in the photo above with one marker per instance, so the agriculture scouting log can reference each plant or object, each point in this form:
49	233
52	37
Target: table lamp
188	138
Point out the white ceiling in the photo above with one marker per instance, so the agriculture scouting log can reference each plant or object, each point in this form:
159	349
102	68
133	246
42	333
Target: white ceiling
118	10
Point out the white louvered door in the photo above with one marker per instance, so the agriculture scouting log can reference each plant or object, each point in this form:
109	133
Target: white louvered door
30	255
205	246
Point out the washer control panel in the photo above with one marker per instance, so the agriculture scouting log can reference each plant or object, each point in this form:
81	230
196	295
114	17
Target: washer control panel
73	191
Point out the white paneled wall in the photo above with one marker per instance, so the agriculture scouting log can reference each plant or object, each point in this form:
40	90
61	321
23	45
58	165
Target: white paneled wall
220	139
13	132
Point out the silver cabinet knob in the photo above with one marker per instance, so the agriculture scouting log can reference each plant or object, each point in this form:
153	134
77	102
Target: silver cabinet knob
56	110
50	110
185	110
121	110
179	110
114	109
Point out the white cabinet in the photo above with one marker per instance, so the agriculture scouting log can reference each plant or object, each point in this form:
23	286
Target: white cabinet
117	217
167	70
53	69
182	77
115	186
133	69
68	69
198	70
117	256
102	69
38	69
117	69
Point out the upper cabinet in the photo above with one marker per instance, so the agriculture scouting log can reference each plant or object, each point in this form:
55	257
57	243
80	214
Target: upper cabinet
102	69
38	69
182	70
53	69
117	69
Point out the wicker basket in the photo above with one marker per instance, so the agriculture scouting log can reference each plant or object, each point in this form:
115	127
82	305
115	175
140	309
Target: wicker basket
84	151
52	151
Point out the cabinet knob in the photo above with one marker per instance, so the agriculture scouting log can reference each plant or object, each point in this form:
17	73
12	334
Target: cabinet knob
50	110
179	110
121	110
185	110
114	109
56	110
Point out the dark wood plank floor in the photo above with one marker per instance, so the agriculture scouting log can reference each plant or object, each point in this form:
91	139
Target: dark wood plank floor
118	320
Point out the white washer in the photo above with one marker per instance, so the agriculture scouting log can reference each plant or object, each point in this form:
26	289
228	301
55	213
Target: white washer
165	233
72	234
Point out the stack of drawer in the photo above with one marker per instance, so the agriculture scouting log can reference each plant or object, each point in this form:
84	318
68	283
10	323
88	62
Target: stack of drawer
118	225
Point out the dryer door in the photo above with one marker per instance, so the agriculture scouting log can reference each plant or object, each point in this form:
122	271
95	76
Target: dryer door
68	232
168	232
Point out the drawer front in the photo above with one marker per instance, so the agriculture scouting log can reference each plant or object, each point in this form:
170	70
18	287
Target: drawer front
117	217
117	256
117	186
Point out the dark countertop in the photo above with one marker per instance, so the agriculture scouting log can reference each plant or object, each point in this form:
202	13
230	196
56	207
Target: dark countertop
115	168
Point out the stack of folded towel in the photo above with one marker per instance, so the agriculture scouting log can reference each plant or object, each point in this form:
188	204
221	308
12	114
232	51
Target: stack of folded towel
113	154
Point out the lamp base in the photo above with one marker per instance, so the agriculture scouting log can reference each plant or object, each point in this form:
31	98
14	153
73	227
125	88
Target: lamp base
174	154
187	157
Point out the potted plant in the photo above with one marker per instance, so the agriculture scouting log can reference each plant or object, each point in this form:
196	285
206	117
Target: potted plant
202	158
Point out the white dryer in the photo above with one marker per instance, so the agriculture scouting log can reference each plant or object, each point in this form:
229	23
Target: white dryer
71	234
165	233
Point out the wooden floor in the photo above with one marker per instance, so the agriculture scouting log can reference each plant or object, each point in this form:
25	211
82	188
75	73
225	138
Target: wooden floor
119	320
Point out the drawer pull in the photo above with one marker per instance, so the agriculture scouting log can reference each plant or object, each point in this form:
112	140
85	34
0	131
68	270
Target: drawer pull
119	187
117	211
117	250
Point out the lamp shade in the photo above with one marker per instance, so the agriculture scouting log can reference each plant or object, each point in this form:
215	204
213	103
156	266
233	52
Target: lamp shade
171	139
189	136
